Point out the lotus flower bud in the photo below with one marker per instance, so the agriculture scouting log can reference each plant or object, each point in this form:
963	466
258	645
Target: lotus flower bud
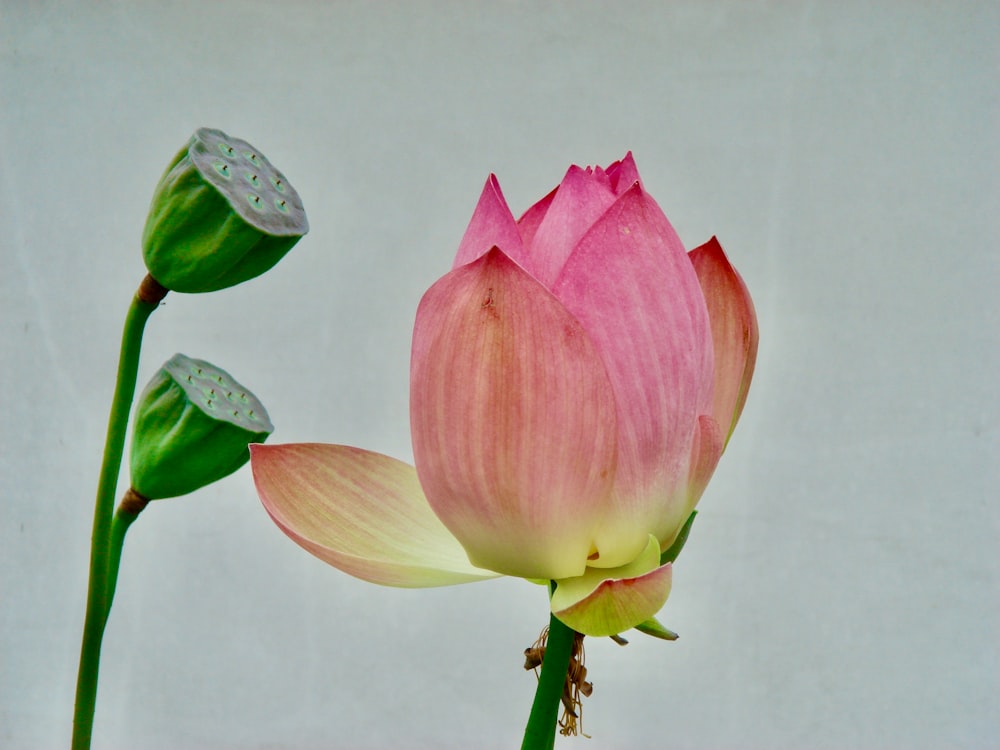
573	381
192	427
221	214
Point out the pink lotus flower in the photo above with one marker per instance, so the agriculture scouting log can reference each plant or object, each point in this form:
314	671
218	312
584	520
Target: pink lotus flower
574	380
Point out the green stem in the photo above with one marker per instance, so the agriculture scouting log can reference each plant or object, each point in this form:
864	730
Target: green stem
128	510
540	733
145	301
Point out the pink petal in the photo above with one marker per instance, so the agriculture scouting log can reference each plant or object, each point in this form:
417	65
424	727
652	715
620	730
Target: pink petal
621	599
624	174
579	201
492	225
630	284
513	420
359	511
706	451
530	220
734	331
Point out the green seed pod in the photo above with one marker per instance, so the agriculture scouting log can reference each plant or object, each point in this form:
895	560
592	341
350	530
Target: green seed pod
221	214
192	427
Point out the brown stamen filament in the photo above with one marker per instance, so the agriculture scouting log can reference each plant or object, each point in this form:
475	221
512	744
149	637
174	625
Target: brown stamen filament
576	687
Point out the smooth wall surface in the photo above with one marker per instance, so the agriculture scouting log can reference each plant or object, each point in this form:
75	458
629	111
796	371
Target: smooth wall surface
840	589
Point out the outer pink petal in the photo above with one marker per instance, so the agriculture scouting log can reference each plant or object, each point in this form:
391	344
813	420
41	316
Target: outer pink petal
706	451
492	225
580	199
359	511
513	420
618	603
630	284
734	331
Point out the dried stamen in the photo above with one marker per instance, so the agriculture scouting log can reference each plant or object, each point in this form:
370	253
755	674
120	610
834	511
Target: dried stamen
576	687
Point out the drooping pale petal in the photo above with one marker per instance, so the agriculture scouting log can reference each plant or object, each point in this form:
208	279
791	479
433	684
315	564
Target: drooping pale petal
630	284
606	602
361	512
734	331
580	199
492	225
513	420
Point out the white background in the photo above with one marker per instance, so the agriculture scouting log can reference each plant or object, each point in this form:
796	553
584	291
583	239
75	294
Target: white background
840	589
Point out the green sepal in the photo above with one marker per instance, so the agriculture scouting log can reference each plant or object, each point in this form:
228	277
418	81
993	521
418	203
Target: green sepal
192	427
675	549
220	215
653	627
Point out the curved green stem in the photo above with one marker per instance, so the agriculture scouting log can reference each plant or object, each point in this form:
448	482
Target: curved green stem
146	300
128	510
540	733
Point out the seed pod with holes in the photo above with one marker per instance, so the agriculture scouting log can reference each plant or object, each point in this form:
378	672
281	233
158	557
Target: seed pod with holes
192	427
221	214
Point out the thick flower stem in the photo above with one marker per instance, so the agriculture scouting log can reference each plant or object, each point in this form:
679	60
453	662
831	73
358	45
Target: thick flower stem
146	300
540	733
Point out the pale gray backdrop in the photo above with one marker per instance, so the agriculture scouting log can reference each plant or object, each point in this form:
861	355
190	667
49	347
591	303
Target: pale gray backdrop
840	588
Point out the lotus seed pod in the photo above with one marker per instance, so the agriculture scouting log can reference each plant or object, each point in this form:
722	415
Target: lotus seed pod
221	214
192	427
